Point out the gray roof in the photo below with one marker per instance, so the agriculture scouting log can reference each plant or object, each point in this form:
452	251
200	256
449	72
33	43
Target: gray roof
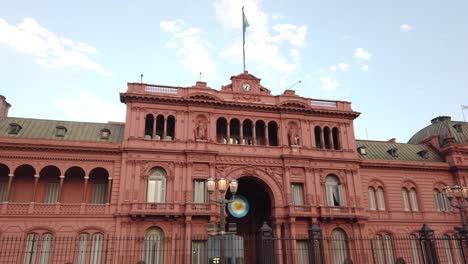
46	129
443	127
380	150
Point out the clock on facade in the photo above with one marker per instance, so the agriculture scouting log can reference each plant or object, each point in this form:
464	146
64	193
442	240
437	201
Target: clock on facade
246	87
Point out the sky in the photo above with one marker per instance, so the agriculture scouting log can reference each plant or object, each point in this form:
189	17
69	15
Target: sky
400	63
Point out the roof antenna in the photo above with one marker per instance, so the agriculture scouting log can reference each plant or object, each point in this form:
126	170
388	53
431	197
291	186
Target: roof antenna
141	78
199	77
294	84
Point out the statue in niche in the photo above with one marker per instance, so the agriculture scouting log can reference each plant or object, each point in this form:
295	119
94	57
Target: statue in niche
200	130
293	135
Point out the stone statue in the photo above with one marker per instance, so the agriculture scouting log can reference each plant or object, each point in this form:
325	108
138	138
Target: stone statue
200	131
293	135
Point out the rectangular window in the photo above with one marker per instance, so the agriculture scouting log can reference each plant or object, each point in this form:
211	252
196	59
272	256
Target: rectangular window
199	191
335	195
297	190
302	252
52	192
199	252
99	193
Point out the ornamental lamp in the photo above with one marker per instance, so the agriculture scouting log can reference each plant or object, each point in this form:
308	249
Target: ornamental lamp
233	186
210	185
222	185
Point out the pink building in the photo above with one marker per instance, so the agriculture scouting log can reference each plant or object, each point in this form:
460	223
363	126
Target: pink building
296	159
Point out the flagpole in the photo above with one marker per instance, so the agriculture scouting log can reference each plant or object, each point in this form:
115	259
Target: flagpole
463	113
243	37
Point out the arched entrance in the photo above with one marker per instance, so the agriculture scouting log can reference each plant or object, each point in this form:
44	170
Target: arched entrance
259	198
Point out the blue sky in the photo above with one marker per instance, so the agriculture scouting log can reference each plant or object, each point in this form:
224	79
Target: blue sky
401	63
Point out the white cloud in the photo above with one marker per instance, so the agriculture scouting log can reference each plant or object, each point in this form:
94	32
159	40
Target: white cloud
49	50
328	84
82	106
406	27
343	66
362	54
364	68
191	48
332	68
274	49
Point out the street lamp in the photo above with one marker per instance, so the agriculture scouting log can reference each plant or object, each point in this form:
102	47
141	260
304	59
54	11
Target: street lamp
460	194
222	184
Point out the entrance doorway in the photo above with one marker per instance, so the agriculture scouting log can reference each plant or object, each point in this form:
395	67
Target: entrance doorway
259	198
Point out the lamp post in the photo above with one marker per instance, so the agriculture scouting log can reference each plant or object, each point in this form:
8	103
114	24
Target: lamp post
222	186
461	197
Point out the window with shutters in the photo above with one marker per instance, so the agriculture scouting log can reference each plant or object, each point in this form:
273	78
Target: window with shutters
415	249
410	199
99	193
404	194
297	190
441	201
199	252
384	248
380	199
156	192
334	191
38	248
52	192
90	248
199	191
414	200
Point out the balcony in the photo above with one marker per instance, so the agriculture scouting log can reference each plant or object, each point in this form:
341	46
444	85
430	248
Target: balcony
143	209
340	212
200	209
302	210
55	209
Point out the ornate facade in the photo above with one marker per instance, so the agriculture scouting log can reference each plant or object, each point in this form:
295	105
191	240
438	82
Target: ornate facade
296	159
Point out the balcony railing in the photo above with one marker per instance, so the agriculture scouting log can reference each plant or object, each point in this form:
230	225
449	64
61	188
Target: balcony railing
144	208
55	209
339	212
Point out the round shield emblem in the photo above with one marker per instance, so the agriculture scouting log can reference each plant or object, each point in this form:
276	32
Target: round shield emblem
239	207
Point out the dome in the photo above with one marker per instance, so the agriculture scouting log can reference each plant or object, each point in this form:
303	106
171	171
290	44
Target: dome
444	127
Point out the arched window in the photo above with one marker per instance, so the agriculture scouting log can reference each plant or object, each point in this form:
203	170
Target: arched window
221	130
452	249
149	126
441	201
326	137
170	128
380	199
156	192
92	246
339	246
272	133
318	140
410	199
247	130
334	191
384	248
38	248
336	138
160	127
260	133
372	203
153	246
234	131
414	249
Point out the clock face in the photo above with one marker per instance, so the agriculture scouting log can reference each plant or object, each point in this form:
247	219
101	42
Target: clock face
246	87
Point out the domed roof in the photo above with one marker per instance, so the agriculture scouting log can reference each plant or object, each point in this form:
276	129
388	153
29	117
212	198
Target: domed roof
444	127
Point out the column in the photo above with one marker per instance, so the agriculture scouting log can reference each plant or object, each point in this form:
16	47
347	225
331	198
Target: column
228	132
165	128
287	186
322	140
338	136
155	122
278	243
188	238
267	138
10	181
109	189
292	229
36	181
85	188
59	195
241	133
254	134
330	138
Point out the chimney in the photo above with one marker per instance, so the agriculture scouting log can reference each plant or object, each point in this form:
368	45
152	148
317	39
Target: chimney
4	106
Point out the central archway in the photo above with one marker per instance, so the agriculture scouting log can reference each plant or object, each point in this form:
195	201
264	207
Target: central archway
260	200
